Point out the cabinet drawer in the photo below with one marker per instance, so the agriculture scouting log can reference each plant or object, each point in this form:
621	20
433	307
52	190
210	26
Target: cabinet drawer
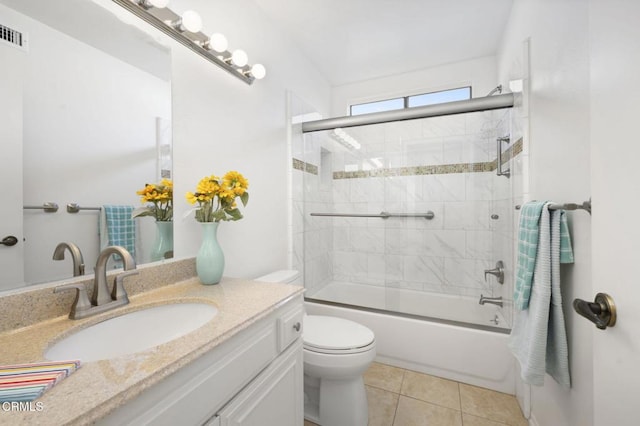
289	327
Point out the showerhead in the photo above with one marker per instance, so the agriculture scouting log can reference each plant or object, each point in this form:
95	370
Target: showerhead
497	89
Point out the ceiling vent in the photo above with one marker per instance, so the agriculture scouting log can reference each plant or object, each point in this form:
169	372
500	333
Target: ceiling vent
13	37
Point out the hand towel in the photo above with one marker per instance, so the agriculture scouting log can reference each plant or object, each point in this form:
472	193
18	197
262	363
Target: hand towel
538	339
120	229
528	232
26	382
528	236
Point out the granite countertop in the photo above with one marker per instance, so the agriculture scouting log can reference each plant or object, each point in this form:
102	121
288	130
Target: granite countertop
99	387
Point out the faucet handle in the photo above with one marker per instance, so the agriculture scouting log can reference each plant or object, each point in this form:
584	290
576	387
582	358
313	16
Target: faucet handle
118	292
81	302
498	272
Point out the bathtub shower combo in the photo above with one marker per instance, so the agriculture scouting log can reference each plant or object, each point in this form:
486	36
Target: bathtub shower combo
403	222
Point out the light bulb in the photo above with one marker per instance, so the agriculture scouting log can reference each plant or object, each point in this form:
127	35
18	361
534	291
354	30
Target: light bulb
157	3
239	58
258	71
191	21
217	42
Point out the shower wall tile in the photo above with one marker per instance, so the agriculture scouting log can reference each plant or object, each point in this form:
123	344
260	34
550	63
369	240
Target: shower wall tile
479	245
445	243
452	186
461	272
471	215
368	240
394	267
424	269
395	240
350	264
376	267
480	186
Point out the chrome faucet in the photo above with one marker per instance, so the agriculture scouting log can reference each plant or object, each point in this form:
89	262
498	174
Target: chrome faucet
101	293
76	256
101	299
492	300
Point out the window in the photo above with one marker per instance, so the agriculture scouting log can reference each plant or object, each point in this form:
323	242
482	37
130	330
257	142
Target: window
424	99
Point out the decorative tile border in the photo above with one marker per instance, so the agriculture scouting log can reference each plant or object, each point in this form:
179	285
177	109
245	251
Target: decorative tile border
441	169
305	167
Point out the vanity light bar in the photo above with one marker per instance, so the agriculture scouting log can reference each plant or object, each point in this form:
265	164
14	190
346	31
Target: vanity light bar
186	30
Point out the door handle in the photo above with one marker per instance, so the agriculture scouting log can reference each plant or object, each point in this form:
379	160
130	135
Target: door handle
9	241
602	312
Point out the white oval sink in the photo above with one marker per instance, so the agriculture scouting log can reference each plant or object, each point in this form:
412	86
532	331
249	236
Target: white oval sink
132	332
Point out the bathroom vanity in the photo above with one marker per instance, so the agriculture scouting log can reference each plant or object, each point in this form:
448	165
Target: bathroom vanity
243	367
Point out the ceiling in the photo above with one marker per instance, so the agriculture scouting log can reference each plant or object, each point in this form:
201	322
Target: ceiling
356	40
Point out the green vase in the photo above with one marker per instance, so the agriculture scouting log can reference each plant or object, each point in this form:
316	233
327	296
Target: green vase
210	258
163	244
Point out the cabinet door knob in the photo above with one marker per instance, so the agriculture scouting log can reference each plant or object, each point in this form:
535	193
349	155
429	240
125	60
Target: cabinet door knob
296	326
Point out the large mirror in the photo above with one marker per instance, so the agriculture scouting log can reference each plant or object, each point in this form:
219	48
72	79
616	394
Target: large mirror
96	111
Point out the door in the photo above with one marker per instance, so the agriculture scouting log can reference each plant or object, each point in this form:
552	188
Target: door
11	257
615	151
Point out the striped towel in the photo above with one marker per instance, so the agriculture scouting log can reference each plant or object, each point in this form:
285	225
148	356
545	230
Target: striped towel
120	229
528	237
26	382
538	339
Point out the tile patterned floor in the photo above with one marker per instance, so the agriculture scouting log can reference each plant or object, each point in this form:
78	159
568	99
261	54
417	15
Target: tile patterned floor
399	397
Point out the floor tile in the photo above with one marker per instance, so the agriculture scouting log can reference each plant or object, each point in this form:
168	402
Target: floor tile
382	406
431	389
469	420
384	377
491	405
412	412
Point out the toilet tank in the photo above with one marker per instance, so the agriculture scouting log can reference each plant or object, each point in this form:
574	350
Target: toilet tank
286	276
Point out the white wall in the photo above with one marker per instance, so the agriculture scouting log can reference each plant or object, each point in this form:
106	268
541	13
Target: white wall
479	73
222	124
557	146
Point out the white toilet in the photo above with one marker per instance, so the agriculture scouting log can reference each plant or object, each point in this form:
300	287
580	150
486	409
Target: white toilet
336	354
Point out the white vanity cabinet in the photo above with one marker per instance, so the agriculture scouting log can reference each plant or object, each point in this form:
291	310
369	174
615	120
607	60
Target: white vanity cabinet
253	378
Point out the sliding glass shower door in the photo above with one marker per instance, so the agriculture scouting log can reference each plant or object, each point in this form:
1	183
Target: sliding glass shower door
407	216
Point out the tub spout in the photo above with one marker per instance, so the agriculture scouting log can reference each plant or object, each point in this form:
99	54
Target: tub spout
493	300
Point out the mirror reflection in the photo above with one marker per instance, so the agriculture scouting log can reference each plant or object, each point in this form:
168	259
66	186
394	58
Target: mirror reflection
96	129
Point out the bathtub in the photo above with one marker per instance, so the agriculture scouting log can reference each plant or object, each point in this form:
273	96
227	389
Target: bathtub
446	336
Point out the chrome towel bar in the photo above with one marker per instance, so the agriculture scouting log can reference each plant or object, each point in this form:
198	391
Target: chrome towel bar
383	215
586	205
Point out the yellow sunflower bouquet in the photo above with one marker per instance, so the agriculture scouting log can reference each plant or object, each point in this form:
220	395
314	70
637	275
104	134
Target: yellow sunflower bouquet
160	195
216	197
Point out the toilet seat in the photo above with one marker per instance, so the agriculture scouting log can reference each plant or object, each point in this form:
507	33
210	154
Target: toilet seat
332	335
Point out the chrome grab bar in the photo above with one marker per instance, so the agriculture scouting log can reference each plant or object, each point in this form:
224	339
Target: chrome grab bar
383	215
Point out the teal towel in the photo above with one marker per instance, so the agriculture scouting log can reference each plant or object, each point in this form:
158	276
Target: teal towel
528	239
121	228
538	338
528	232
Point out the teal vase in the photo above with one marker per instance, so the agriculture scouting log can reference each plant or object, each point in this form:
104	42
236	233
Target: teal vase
163	244
210	258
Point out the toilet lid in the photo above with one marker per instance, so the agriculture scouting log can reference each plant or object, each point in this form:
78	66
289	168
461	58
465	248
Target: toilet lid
321	332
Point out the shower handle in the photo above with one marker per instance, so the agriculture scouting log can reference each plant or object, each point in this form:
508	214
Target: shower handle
498	272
